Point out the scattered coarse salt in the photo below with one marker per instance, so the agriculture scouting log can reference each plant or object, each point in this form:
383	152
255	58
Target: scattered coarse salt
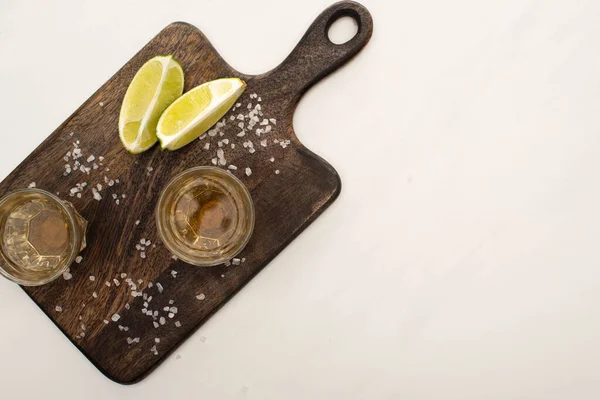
263	143
171	315
143	254
123	275
174	274
244	259
227	263
214	161
58	309
31	185
156	340
272	159
241	134
127	306
174	257
155	324
67	275
201	296
107	283
92	278
105	321
137	222
160	287
171	302
150	286
91	158
277	172
95	295
97	195
248	171
268	129
178	324
115	317
101	104
162	320
206	146
232	167
236	261
222	275
78	259
265	122
116	281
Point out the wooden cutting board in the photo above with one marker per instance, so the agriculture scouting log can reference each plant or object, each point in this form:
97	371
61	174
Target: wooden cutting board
128	305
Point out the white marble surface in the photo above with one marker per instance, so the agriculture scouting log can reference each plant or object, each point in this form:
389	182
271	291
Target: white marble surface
462	259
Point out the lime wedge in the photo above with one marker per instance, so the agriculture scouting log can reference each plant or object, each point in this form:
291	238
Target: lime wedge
155	86
196	111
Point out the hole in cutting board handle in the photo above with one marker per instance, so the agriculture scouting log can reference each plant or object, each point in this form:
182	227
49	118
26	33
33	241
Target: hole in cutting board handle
342	29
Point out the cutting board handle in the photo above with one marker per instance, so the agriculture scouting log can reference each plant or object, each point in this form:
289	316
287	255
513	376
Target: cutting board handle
316	56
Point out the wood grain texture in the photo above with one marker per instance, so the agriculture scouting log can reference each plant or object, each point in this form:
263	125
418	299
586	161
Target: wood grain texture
286	202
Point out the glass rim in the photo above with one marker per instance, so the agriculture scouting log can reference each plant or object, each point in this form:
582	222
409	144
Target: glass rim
75	239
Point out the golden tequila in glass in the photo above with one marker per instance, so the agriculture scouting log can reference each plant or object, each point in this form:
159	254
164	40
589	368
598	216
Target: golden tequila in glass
205	216
40	236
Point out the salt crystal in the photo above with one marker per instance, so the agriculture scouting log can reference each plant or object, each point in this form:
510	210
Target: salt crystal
58	309
248	171
78	195
277	172
207	146
240	117
226	141
112	183
265	122
123	275
201	296
174	274
173	310
99	186
115	317
91	158
268	129
236	261
95	295
97	195
227	263
101	104
214	161
155	324
241	125
233	145
67	275
78	259
160	287
137	222
171	315
127	306
232	167
272	159
263	143
244	259
116	281
166	308
232	118
251	150
178	324
150	285
162	320
101	158
31	185
222	275
241	134
129	340
134	293
156	340
142	255
171	302
107	283
123	196
105	321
